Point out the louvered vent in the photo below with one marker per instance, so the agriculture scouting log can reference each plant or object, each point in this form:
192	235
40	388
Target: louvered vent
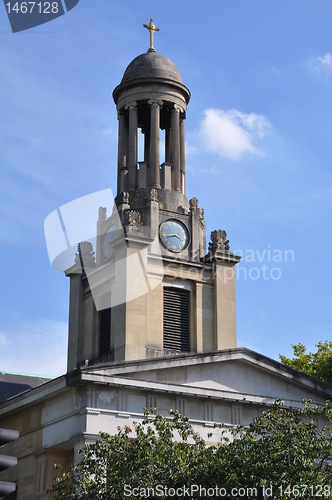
105	326
176	319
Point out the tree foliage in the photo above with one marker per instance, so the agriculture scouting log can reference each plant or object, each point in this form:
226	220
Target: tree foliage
318	364
282	448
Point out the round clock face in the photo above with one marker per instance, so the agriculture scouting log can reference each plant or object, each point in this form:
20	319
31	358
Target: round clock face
108	242
174	235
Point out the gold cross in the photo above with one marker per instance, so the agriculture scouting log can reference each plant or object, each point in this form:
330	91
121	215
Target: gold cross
152	28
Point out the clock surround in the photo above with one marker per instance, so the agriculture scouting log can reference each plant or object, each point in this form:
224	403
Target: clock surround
174	235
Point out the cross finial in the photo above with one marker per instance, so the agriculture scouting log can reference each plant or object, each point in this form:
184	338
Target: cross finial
152	28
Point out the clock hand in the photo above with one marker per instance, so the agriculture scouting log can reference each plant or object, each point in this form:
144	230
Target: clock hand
176	236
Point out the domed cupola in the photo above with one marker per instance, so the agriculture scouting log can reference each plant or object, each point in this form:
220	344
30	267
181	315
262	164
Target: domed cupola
151	66
152	97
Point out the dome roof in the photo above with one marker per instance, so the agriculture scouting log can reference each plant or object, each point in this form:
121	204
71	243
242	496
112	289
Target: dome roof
151	65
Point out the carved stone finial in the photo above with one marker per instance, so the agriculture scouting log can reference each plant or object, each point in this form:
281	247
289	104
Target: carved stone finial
125	198
134	217
133	221
153	194
218	241
193	204
152	28
102	213
201	214
85	256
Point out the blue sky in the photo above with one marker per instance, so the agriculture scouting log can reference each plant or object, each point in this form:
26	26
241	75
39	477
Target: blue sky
258	132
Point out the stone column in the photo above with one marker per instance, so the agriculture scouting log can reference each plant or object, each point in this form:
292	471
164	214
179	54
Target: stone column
147	146
147	152
175	126
154	169
182	156
132	146
122	150
168	150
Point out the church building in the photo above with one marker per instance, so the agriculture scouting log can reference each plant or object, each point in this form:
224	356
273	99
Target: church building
152	319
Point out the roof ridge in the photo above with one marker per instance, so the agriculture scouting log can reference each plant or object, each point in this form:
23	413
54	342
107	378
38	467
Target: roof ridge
27	375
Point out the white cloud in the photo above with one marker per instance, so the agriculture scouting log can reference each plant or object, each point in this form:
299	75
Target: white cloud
38	347
320	64
232	133
326	61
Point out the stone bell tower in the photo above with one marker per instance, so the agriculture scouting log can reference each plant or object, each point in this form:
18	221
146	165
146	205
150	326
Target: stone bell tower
152	289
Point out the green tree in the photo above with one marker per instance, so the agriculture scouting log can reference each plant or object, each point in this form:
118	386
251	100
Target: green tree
318	364
282	448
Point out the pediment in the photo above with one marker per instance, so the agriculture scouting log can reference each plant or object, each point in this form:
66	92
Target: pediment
237	373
